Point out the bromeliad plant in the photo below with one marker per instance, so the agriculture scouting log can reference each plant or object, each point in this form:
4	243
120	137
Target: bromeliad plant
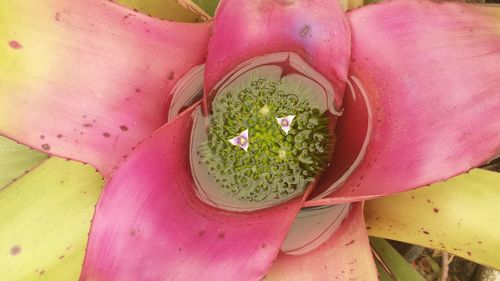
302	106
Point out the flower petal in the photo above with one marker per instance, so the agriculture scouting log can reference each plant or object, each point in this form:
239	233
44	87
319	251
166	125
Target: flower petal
315	30
44	220
92	79
150	224
431	72
345	256
459	216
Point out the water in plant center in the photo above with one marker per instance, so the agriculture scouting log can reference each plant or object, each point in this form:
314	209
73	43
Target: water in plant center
266	139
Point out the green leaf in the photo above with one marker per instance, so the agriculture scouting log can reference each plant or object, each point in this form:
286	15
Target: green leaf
164	9
459	216
44	221
16	160
208	6
351	4
394	267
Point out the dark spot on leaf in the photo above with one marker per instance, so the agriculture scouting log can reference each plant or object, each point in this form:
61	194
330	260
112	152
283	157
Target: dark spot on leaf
123	128
469	253
46	146
59	136
57	17
350	243
15	250
42	137
480	242
425	232
41	272
137	90
305	30
170	75
436	210
201	233
15	45
222	235
106	134
87	125
132	233
127	16
180	249
61	257
263	245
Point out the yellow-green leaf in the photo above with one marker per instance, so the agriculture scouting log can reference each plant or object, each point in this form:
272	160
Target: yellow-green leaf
460	216
394	266
351	4
209	6
16	160
164	9
44	221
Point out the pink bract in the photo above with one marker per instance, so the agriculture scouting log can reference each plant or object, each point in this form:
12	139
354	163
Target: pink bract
150	224
345	256
315	30
430	71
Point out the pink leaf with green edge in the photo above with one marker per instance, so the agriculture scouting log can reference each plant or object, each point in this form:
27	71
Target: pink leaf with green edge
345	256
87	83
459	216
150	224
430	70
315	30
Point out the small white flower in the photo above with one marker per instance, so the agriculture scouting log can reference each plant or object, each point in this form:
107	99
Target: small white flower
241	140
285	123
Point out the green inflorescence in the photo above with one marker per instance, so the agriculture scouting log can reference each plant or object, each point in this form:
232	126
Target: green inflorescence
276	164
